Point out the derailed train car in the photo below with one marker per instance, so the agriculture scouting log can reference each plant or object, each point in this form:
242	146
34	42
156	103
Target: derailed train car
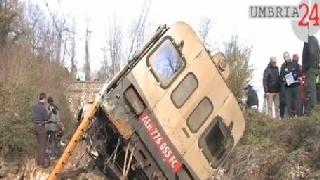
172	115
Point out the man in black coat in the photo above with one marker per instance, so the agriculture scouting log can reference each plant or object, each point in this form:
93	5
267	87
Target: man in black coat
310	66
271	86
289	74
295	62
40	115
252	98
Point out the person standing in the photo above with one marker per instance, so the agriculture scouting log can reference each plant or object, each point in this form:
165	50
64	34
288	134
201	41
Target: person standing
40	116
282	106
310	66
53	126
271	85
295	62
252	101
289	74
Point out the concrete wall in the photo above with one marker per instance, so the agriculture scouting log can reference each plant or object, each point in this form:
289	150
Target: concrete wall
82	92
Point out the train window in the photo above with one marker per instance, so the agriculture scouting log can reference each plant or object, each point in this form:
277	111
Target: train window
134	100
216	141
165	62
184	90
199	114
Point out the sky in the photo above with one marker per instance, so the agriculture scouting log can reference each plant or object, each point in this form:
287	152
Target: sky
267	37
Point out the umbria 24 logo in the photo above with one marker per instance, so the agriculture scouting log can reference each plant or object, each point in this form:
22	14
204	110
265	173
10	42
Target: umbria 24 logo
304	16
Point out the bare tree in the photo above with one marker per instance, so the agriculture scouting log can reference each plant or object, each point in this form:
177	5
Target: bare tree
114	46
137	33
205	26
50	37
73	52
35	19
116	51
86	67
60	26
8	14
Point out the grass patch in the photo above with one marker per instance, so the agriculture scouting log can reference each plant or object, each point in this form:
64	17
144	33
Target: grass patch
277	149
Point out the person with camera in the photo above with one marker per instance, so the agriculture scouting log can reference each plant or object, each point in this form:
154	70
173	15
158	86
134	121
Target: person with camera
54	128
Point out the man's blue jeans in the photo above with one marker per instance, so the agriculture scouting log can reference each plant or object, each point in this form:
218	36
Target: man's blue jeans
293	99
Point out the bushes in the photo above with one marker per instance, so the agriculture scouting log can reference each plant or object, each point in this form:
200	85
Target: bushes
240	70
273	149
15	129
23	76
29	47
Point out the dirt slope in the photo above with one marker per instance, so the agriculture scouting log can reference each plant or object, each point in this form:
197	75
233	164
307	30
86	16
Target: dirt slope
274	149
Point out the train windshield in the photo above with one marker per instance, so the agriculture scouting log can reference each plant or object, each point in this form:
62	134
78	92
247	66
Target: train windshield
166	63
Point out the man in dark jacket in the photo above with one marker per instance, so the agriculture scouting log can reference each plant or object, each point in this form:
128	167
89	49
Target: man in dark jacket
252	98
40	116
289	74
310	66
271	85
295	62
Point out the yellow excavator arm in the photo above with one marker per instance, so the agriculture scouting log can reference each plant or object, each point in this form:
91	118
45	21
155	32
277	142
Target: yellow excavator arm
74	141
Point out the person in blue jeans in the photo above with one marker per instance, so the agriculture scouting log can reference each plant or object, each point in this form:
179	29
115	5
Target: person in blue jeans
289	74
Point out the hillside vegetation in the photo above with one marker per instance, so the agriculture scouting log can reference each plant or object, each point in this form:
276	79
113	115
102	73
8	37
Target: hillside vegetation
28	66
277	149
